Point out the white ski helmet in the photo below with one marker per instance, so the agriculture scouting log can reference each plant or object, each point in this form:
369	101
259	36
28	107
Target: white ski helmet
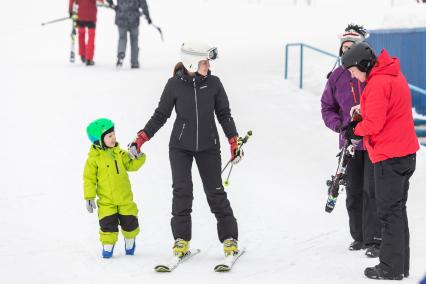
192	52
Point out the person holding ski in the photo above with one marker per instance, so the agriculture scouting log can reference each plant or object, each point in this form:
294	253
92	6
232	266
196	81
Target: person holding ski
127	14
86	22
105	176
341	94
387	130
196	95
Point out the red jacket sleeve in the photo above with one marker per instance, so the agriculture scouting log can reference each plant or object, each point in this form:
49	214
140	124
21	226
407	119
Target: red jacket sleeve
374	109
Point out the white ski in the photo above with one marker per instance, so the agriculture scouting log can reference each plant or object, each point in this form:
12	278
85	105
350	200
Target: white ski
175	261
229	262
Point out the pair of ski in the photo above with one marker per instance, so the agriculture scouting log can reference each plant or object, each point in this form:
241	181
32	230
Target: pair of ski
224	266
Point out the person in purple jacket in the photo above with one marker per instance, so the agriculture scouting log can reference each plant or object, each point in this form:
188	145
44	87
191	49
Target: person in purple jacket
341	95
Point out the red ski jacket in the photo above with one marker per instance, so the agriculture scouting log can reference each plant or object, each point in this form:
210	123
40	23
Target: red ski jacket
387	125
86	9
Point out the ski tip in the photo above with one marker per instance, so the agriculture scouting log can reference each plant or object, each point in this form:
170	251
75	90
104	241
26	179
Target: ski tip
222	268
162	268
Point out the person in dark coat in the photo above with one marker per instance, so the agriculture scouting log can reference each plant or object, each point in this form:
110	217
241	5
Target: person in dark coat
197	96
387	130
127	14
86	22
341	94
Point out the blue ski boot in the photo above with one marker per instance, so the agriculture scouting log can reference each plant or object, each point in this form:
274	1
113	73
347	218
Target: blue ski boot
107	251
130	246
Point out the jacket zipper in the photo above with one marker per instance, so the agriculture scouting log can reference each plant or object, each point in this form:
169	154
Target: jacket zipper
196	113
181	132
116	167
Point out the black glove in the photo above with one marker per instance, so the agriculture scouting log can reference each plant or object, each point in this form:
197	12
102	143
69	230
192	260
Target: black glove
349	131
148	19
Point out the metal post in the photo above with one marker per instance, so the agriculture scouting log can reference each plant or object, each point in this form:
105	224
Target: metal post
286	62
301	67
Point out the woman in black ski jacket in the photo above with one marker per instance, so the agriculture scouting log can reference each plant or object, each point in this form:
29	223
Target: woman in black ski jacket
196	96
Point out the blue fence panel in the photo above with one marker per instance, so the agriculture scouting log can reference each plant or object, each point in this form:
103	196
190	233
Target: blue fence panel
409	45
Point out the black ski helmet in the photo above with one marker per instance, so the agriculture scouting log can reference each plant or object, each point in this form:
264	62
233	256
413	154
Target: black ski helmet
360	55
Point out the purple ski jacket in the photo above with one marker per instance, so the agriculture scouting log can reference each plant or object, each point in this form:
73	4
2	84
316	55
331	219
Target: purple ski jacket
341	93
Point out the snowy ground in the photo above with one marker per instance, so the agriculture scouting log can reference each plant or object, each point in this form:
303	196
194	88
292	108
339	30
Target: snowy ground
278	192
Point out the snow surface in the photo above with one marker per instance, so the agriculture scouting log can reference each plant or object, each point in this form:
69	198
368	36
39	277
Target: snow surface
277	192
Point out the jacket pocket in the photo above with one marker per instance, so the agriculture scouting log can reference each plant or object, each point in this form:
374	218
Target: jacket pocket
182	130
214	135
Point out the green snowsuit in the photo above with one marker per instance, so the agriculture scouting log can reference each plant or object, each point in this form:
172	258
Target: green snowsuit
105	175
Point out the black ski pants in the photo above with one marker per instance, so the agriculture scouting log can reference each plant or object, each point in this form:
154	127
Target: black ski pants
364	224
392	183
209	167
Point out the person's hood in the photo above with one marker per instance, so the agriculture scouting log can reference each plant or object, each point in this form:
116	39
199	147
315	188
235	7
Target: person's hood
385	65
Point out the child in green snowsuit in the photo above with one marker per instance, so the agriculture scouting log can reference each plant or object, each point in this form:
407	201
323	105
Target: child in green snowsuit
105	175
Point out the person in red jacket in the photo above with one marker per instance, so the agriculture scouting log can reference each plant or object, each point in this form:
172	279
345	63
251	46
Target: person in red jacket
86	20
387	130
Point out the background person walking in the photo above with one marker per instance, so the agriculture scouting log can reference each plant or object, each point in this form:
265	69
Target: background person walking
86	23
127	14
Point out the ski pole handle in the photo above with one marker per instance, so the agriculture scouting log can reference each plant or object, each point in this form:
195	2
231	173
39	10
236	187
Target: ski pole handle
244	140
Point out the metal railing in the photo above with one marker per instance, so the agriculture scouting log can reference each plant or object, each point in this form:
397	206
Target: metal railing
420	132
302	45
419	123
417	89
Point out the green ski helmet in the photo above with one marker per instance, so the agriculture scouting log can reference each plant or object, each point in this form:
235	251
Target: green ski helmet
98	128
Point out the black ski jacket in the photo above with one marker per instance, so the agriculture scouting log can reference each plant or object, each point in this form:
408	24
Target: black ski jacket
196	100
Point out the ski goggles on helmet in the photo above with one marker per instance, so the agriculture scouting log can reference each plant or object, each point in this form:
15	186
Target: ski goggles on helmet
210	54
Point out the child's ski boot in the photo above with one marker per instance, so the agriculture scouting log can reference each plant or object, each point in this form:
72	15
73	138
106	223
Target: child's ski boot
107	250
130	246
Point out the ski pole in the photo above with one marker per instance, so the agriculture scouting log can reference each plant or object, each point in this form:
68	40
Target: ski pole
160	31
227	164
226	183
55	21
241	142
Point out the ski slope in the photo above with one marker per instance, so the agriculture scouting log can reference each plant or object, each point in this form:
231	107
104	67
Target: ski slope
278	191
